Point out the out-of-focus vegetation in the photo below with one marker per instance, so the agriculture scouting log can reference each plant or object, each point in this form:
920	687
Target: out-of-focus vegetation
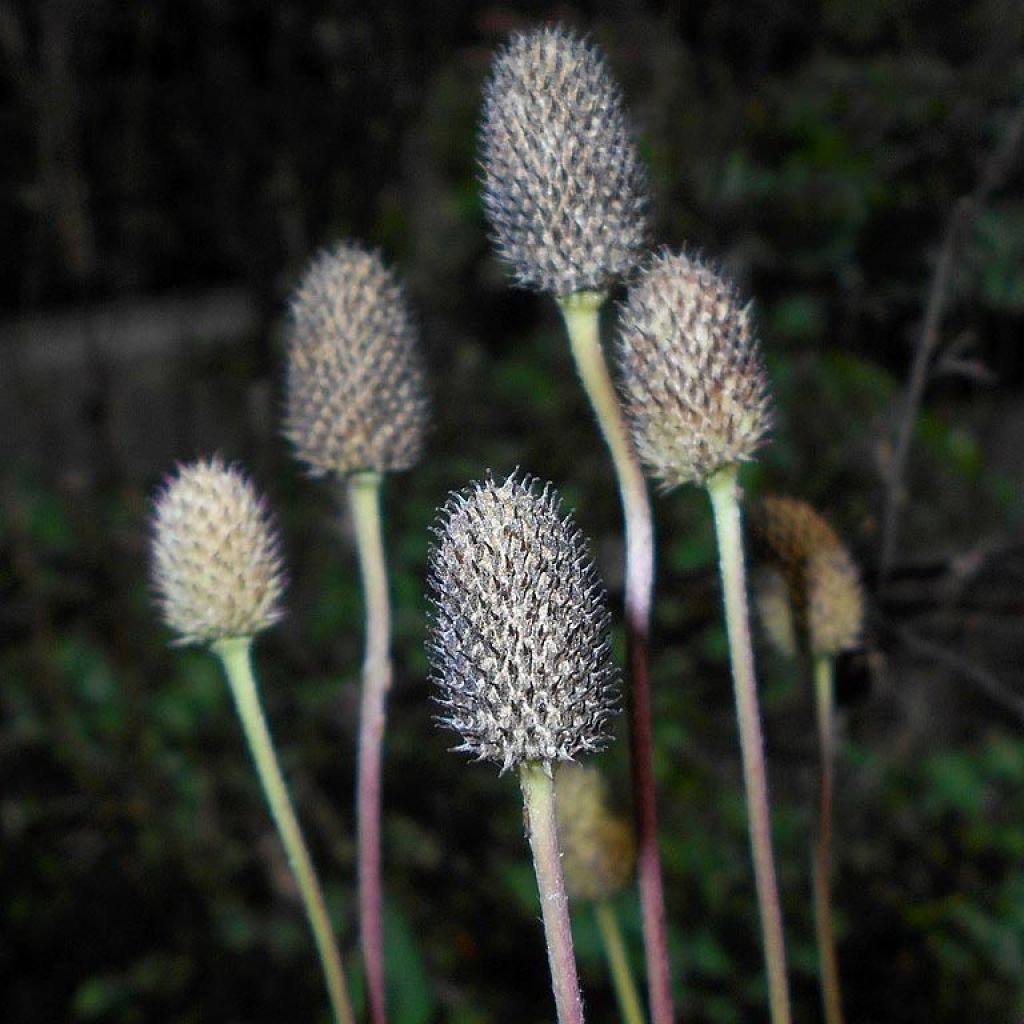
822	151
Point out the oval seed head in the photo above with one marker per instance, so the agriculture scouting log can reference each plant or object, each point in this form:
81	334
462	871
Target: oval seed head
835	603
519	641
356	392
216	565
598	848
775	609
563	186
693	381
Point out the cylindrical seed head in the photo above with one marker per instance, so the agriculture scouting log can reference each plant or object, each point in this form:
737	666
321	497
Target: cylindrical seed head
216	565
356	392
563	186
519	640
693	380
835	603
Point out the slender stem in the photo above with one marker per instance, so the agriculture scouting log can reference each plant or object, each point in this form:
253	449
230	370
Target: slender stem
235	655
724	493
618	963
581	313
830	997
364	498
539	802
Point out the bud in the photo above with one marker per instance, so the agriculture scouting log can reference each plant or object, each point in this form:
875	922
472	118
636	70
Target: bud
693	381
563	185
216	564
519	640
356	393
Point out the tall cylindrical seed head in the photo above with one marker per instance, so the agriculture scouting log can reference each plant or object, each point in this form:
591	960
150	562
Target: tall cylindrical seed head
563	185
216	565
356	392
835	603
519	639
693	381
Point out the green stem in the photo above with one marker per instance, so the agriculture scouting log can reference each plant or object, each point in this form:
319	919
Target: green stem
618	963
235	656
581	313
823	691
539	802
724	493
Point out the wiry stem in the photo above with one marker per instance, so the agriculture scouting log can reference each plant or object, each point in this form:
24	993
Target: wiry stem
724	493
618	963
830	993
364	498
235	655
581	313
539	801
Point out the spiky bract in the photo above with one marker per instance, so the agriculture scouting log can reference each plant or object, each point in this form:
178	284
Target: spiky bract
693	380
563	186
356	391
216	565
519	639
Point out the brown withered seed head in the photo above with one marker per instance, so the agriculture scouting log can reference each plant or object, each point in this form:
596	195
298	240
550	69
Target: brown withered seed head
563	187
519	641
356	391
216	566
692	377
598	848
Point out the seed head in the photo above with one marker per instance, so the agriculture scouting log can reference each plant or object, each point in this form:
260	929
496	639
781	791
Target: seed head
563	185
356	393
835	602
519	640
216	565
693	381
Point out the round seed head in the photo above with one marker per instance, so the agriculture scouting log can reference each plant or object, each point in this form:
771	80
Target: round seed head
563	186
693	381
216	565
519	640
356	392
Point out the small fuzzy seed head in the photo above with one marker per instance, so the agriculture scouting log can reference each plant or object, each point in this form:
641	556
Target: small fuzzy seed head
356	391
216	565
519	639
563	187
598	848
692	377
835	603
775	609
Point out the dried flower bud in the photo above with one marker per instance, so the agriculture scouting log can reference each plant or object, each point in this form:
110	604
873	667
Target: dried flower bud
356	393
215	560
693	381
598	848
519	640
563	186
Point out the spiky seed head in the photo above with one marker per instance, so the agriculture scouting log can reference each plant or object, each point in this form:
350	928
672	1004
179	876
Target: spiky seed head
356	391
835	603
216	565
692	377
563	186
598	848
519	639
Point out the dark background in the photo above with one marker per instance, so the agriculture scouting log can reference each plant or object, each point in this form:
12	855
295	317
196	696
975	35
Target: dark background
167	168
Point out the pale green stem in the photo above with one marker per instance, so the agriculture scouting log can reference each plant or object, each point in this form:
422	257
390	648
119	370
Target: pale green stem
235	655
618	963
581	313
830	992
539	801
724	492
364	499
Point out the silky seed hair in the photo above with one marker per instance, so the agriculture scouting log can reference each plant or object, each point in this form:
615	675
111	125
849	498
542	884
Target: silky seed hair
356	390
563	186
216	566
692	377
519	639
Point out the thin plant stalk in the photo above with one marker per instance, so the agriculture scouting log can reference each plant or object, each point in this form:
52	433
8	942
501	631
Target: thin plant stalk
235	655
539	801
581	313
830	992
618	963
364	501
724	493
